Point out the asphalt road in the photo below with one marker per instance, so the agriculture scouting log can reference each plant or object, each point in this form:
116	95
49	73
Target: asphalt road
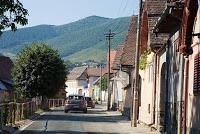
96	121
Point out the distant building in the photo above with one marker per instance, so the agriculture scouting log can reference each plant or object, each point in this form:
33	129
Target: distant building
93	75
6	89
77	81
123	67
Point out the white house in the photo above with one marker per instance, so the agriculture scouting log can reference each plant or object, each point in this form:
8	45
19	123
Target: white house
77	82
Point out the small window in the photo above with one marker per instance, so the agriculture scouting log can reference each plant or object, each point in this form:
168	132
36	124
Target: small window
196	87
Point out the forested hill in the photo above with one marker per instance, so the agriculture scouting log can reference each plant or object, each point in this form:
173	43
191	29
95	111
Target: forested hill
77	41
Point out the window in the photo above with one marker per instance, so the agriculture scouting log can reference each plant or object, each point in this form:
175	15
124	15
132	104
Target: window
197	75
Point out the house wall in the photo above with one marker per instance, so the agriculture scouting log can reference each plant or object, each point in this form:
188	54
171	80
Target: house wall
71	87
91	89
82	83
193	110
146	106
168	83
117	98
75	85
4	96
97	93
174	82
161	60
127	95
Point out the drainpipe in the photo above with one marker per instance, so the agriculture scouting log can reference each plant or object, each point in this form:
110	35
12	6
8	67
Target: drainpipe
180	95
154	95
186	93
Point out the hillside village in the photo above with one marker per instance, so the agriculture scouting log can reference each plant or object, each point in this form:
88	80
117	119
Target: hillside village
159	89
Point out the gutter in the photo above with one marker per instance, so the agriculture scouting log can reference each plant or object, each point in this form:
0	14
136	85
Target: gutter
180	94
155	88
186	74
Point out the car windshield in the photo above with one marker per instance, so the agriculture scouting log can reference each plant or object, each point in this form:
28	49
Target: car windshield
75	97
88	99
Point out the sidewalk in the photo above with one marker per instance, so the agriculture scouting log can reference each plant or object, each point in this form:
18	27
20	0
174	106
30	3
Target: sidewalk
20	125
125	124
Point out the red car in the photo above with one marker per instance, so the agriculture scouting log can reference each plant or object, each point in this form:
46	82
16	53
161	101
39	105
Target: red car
90	102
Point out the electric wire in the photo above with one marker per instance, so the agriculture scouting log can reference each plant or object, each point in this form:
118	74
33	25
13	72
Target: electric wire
106	28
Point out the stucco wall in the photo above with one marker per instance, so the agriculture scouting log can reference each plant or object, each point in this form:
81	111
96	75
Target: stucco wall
75	85
173	83
193	119
146	107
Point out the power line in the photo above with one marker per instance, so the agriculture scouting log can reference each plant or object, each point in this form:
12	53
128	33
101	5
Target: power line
121	11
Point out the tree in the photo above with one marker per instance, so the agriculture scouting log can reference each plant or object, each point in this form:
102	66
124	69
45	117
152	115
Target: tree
11	14
103	83
39	71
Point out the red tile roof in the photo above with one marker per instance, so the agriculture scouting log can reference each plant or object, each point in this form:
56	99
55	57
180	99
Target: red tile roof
5	68
154	9
128	55
76	73
118	56
112	57
94	71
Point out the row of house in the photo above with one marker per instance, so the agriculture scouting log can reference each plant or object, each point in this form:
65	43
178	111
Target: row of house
83	80
169	67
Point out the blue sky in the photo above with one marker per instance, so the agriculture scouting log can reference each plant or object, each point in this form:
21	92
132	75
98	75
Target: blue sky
57	12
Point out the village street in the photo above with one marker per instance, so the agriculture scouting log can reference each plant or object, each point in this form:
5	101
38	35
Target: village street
96	121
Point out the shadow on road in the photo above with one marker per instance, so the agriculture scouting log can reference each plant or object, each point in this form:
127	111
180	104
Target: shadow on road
82	117
93	115
62	132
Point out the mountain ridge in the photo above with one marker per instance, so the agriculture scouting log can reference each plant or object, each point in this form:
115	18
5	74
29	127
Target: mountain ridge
72	39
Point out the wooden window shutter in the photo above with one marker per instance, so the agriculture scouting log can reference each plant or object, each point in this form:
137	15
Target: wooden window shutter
196	87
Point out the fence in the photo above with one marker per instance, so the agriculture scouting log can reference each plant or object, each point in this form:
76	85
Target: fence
56	102
12	112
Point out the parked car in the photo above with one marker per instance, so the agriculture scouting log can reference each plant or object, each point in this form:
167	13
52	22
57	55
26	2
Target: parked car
76	103
90	102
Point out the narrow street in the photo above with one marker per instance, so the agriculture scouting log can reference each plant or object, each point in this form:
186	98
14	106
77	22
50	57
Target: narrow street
96	121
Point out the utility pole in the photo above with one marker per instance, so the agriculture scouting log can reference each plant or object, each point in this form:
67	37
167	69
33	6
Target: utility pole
100	92
136	72
109	36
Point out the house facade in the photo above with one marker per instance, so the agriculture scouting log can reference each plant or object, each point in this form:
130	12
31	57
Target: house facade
6	89
152	56
77	82
178	76
193	109
123	67
93	75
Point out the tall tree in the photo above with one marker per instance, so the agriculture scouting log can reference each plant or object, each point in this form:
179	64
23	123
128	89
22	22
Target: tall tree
12	13
39	71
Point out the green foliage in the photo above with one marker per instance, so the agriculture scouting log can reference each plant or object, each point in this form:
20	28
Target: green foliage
103	83
39	71
12	13
74	41
143	59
